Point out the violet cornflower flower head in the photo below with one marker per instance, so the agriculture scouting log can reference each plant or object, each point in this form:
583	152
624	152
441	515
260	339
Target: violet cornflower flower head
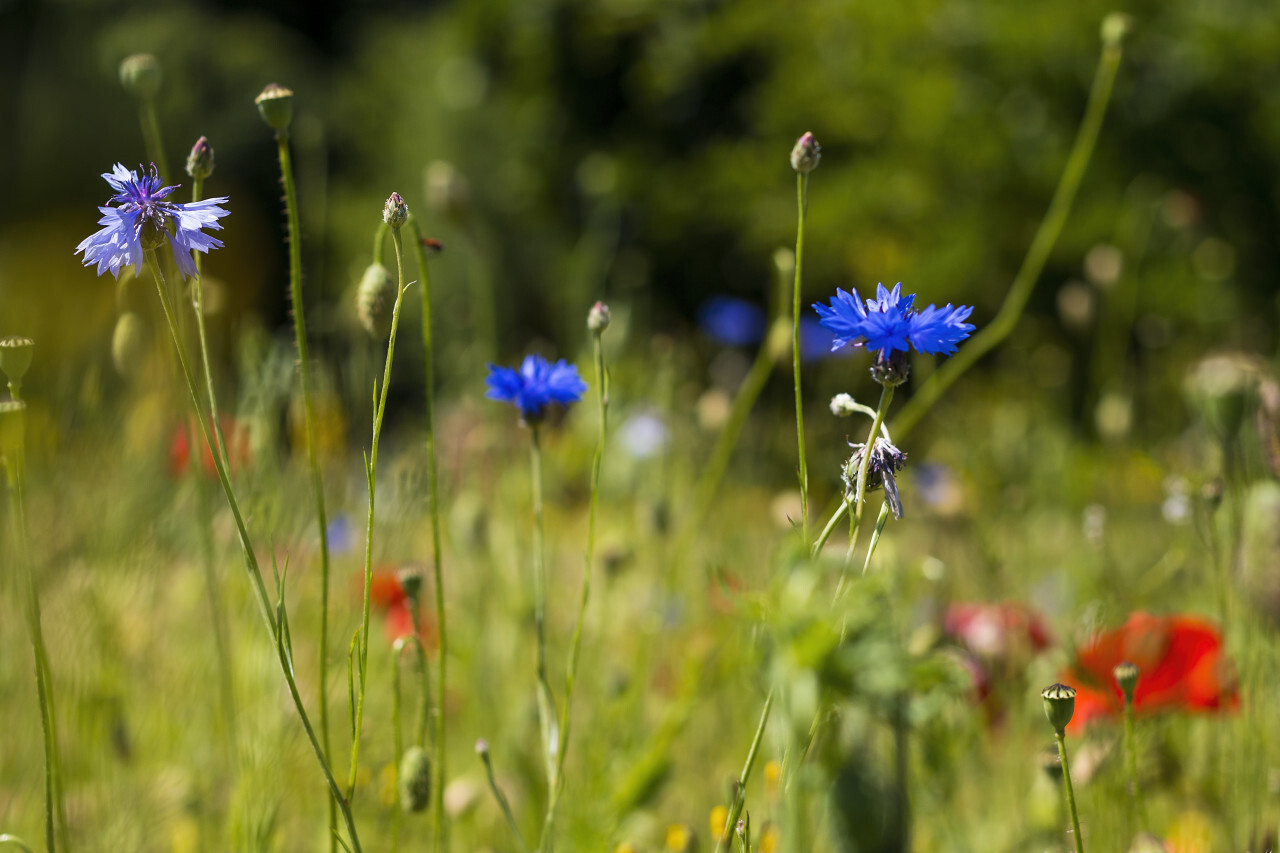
141	218
536	385
889	323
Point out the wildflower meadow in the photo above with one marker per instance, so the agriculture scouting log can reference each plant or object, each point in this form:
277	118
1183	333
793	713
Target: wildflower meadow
640	427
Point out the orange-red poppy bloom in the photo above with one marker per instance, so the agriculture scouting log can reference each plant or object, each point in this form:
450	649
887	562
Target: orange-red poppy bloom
1180	662
236	435
387	594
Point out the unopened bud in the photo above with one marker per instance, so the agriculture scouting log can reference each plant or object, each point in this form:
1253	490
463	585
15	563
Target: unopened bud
1059	705
482	748
395	212
140	76
200	160
843	405
806	154
1126	673
375	300
598	318
415	779
275	104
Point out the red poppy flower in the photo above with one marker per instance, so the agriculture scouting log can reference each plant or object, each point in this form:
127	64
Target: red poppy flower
1008	629
1180	662
236	435
387	595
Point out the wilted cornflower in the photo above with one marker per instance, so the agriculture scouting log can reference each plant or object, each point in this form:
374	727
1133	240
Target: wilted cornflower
886	460
888	323
537	384
143	219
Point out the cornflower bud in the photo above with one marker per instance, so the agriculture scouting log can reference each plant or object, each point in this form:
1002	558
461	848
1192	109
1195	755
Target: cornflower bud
598	318
806	154
200	160
395	212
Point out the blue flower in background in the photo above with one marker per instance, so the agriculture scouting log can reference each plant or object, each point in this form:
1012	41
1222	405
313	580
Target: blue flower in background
732	321
889	323
815	340
537	384
141	211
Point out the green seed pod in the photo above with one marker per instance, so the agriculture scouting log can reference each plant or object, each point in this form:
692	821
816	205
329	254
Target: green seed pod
1059	705
15	356
410	579
1126	673
375	300
129	344
275	104
415	779
140	76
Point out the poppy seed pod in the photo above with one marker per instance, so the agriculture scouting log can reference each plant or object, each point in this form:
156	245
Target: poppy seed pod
1059	705
140	76
16	353
275	105
1126	673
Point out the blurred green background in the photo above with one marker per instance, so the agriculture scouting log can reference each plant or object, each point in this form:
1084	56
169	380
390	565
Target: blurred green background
637	151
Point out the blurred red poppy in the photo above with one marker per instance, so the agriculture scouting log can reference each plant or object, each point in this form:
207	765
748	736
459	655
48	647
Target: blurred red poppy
1180	662
997	630
387	594
235	434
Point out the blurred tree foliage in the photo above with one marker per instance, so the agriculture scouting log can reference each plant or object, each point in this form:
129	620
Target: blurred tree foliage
637	150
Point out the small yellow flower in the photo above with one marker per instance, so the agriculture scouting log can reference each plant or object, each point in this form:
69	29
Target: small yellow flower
768	842
772	775
680	838
719	815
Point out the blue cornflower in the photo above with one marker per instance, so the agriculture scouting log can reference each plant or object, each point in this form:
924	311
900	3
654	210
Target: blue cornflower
732	321
142	215
537	384
889	323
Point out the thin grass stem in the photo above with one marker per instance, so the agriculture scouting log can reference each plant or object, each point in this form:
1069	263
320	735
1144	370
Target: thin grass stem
440	829
1041	245
371	473
735	809
802	203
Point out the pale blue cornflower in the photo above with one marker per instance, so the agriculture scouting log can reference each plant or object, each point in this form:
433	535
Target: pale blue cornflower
536	385
142	216
888	323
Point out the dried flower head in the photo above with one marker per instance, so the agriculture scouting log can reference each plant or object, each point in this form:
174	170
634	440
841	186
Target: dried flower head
886	460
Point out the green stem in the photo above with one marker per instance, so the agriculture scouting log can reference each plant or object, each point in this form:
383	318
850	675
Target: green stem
859	493
371	472
54	808
437	561
151	135
308	408
546	704
735	810
1033	264
221	638
250	556
1136	804
398	741
802	203
602	401
1060	737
